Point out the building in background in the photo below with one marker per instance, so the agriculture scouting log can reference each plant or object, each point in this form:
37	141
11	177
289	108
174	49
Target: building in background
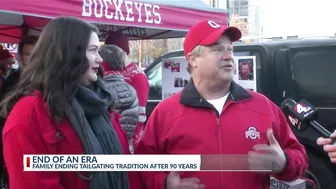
222	4
238	7
247	15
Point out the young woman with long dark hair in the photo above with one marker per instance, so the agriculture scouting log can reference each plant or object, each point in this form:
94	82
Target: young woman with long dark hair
60	106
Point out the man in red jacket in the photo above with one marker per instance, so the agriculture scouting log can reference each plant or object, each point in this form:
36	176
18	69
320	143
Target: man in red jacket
213	115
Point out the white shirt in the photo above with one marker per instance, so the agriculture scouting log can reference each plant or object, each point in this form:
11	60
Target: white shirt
219	103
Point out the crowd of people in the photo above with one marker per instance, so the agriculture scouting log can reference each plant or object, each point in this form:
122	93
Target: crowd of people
72	96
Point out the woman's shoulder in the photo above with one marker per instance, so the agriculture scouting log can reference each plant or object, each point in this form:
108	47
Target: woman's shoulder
30	101
27	105
25	112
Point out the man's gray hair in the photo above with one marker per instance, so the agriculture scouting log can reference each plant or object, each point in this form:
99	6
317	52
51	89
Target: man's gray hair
113	56
197	51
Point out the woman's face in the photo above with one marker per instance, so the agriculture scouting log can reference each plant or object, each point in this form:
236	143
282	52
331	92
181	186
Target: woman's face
94	60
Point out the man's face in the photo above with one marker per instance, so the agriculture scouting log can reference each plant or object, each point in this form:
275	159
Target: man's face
26	52
4	68
216	62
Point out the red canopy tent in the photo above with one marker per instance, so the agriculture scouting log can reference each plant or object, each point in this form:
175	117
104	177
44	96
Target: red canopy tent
145	19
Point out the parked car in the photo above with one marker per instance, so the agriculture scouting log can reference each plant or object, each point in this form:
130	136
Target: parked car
298	69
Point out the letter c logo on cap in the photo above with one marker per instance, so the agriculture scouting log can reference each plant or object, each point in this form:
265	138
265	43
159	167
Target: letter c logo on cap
213	24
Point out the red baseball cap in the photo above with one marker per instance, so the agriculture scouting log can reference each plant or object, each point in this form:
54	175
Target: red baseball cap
119	39
206	33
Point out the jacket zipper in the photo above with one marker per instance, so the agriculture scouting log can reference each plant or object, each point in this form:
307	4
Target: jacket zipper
220	147
220	137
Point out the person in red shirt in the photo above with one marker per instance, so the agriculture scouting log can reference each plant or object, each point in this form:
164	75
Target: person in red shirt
231	127
62	106
135	77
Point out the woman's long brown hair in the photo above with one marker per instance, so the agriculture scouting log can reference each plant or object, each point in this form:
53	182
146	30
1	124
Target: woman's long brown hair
56	66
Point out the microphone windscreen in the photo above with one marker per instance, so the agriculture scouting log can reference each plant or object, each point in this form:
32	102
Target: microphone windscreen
288	102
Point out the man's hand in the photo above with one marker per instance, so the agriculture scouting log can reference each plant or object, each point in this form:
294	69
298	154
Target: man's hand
328	147
175	182
268	157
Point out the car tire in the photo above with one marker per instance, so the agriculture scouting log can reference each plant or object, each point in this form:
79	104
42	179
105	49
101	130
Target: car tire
320	172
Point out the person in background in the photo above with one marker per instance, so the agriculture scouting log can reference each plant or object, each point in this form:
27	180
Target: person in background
6	62
126	100
328	147
25	48
61	106
133	177
135	77
215	115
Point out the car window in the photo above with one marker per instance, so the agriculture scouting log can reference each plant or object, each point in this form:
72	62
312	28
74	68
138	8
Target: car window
154	76
313	74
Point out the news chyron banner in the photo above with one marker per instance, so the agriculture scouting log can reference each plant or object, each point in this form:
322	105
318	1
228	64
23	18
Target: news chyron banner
140	163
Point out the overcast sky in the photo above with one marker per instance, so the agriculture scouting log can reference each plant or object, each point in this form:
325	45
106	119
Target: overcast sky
299	17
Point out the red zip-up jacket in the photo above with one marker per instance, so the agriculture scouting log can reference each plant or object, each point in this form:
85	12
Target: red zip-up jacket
30	130
187	124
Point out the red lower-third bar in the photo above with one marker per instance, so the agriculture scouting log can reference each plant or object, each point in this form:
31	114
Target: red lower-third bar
232	163
28	161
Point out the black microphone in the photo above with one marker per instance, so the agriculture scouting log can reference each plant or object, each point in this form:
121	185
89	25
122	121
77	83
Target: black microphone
303	112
